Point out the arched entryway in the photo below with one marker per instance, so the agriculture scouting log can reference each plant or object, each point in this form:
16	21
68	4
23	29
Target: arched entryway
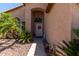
37	23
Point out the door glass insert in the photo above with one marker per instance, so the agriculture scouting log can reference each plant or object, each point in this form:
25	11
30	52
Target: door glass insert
39	27
38	20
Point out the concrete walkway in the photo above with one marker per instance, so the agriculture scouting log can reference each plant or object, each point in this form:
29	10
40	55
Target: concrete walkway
39	48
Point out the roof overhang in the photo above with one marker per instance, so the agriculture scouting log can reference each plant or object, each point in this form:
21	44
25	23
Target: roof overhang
49	7
15	8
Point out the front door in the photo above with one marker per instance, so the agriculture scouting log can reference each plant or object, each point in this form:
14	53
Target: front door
38	30
37	23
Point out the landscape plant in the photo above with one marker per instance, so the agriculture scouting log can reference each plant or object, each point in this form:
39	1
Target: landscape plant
10	24
67	48
76	32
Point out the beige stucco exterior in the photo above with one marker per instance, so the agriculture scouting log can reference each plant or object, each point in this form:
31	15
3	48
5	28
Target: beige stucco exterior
18	13
57	23
75	15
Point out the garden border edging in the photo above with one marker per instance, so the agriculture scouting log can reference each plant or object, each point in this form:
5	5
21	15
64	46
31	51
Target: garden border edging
32	50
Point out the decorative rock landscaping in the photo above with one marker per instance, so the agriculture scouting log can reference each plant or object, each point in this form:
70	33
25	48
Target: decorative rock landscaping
9	47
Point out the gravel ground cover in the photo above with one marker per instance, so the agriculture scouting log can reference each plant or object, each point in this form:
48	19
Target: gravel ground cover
9	47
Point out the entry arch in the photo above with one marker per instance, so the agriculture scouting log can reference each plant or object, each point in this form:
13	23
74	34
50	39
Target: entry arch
37	22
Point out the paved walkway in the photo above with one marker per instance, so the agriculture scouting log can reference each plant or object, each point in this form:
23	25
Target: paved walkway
39	48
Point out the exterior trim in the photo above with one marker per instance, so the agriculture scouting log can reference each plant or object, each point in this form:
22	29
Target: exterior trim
32	21
49	7
14	8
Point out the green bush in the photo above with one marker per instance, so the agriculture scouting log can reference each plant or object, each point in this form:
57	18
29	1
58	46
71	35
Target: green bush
25	37
76	31
68	48
10	24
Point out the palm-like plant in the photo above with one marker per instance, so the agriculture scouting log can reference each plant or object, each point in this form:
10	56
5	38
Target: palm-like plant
76	32
8	23
67	48
25	37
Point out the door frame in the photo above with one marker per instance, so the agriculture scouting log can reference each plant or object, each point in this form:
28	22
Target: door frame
32	21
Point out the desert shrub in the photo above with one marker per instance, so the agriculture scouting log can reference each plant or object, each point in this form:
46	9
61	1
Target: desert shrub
25	37
67	48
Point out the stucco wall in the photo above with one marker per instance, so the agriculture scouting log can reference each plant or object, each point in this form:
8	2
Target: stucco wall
28	8
75	15
58	23
18	13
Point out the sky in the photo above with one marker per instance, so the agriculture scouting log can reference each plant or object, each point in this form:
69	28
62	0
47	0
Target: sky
8	6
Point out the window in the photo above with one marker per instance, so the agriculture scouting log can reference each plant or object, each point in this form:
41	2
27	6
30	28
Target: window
38	19
18	19
22	23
